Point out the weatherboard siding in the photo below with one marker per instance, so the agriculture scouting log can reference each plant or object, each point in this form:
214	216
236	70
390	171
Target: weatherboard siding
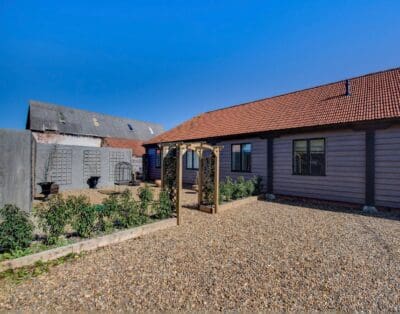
345	168
154	173
188	175
387	167
258	159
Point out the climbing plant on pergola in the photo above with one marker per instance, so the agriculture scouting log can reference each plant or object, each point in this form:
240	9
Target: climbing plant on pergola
171	172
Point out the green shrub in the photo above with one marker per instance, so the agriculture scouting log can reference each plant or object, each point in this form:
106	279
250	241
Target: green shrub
107	213
227	189
129	214
222	192
250	187
230	188
239	190
164	206
53	216
16	230
146	197
84	215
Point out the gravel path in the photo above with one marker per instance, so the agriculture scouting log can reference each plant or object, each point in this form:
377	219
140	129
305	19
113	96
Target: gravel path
268	256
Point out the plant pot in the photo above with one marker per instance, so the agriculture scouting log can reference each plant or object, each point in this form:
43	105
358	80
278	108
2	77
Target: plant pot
93	181
158	183
47	188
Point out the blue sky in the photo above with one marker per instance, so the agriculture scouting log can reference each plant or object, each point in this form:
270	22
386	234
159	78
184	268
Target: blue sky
166	61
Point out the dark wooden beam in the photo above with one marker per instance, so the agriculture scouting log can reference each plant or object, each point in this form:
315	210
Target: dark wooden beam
370	168
270	165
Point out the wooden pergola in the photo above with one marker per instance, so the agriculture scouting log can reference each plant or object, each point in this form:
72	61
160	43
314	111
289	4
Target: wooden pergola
198	148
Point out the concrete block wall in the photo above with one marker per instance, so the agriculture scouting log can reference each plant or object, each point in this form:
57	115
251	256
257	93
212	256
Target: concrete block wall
16	168
71	166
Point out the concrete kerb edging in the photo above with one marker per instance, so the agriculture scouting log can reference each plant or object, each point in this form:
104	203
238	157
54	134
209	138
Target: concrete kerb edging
87	245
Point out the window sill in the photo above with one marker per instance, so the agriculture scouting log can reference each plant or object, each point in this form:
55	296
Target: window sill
308	175
240	171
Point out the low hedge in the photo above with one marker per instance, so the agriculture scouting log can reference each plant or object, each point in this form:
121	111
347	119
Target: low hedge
236	189
116	211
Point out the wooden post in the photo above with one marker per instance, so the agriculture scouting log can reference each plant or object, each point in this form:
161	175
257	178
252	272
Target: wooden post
216	180
178	183
370	168
200	183
162	166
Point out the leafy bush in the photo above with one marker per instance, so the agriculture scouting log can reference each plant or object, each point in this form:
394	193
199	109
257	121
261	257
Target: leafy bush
84	215
53	216
16	231
107	213
250	187
146	197
164	207
226	189
128	212
222	192
239	190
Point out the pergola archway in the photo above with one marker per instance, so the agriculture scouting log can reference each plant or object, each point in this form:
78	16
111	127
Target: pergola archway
181	149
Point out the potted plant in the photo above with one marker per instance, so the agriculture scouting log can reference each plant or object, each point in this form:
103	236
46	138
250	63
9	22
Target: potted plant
93	181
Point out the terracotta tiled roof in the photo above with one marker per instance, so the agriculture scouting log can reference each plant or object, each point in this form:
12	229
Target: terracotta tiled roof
373	97
136	145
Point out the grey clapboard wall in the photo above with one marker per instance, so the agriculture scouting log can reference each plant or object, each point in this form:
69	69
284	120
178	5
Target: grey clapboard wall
345	168
387	171
154	173
258	159
188	175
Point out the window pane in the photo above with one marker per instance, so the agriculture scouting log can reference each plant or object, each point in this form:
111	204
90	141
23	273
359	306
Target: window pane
246	157
317	157
317	145
189	160
195	161
300	146
236	157
300	159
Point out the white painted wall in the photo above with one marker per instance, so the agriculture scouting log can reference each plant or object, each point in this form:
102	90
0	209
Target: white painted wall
61	139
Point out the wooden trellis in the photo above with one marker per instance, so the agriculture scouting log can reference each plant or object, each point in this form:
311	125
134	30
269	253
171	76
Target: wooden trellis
180	149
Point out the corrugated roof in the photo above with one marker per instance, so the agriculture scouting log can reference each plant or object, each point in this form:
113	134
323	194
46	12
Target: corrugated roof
44	116
373	96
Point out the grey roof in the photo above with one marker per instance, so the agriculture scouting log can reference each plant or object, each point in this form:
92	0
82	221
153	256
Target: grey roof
49	117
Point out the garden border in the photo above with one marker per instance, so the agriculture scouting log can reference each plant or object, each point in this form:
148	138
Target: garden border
87	245
232	204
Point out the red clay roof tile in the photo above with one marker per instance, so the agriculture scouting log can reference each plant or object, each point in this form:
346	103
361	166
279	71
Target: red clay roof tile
136	145
373	97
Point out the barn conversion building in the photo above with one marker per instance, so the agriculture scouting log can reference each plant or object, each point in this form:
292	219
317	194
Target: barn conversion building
68	147
55	124
337	142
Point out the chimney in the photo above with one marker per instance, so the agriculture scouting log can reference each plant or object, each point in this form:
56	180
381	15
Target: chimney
348	93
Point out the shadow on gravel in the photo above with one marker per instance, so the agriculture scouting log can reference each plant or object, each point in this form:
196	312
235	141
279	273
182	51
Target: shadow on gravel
384	213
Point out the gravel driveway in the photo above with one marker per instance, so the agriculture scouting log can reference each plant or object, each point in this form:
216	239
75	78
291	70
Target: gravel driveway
268	256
